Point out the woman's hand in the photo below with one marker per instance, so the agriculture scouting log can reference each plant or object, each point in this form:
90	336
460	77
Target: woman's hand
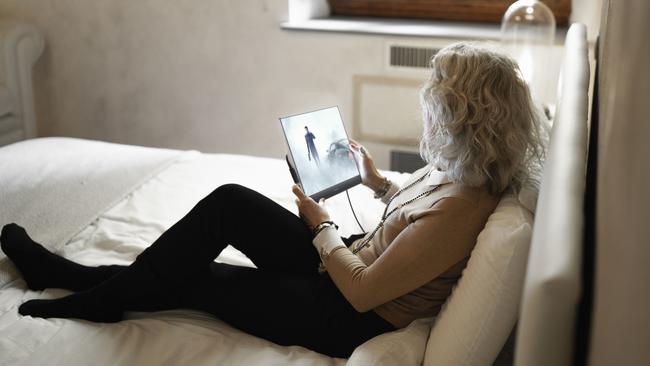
370	176
311	212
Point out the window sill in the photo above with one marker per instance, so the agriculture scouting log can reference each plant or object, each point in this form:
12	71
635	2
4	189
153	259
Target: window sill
405	27
398	27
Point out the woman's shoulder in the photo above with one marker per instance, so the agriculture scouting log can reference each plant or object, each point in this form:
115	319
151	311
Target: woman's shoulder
475	196
417	174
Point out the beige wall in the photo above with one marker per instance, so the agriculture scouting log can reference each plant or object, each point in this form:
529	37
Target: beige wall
588	13
207	75
212	76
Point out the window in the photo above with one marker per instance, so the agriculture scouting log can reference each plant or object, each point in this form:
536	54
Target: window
460	10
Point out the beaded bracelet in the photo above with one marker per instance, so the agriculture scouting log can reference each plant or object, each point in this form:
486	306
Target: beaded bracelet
325	224
384	188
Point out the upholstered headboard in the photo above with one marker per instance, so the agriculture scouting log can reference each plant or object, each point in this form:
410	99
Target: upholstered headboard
20	47
552	288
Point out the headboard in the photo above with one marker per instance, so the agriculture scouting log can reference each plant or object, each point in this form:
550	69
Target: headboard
20	47
552	288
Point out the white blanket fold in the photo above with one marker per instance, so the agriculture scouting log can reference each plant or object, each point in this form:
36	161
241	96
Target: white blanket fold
54	187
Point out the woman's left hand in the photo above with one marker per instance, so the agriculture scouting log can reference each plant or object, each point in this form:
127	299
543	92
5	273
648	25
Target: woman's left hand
311	212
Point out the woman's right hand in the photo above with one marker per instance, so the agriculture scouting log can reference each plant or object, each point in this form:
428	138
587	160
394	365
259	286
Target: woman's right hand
370	176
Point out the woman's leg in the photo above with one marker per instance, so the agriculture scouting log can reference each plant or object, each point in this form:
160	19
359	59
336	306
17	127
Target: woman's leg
42	269
274	238
277	242
287	309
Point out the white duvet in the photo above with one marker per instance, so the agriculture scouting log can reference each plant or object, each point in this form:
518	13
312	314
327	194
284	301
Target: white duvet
169	186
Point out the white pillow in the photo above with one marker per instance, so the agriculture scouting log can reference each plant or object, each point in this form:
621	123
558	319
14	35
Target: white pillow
476	320
401	347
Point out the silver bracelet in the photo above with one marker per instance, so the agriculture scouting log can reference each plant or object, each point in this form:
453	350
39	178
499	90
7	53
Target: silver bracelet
322	226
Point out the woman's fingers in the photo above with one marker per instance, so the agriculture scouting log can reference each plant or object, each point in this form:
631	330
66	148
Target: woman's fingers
355	145
359	149
312	213
302	198
298	192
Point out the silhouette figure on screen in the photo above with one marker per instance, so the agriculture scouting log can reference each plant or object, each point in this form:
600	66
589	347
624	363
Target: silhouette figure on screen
311	148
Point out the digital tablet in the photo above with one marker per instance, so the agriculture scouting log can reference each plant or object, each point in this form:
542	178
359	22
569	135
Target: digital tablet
319	153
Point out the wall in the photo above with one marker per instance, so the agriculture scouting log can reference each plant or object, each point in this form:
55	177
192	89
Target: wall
587	12
212	76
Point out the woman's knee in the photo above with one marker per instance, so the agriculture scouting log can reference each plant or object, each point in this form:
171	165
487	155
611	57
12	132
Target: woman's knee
229	189
236	201
226	195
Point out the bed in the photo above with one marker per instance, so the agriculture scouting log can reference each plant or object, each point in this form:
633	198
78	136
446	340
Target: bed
99	203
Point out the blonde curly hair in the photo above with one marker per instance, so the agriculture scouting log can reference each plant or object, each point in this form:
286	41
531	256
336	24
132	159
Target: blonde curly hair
480	123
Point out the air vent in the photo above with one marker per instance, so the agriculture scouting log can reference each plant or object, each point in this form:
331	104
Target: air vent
405	162
408	56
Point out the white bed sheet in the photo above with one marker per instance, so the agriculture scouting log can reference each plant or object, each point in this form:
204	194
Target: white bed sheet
179	336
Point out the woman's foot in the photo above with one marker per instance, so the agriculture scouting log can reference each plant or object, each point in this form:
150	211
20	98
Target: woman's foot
33	261
42	269
72	306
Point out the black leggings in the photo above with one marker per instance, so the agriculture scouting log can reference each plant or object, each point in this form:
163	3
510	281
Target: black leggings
284	300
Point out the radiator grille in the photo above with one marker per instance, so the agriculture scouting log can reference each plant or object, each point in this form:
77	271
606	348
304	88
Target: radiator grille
408	56
405	162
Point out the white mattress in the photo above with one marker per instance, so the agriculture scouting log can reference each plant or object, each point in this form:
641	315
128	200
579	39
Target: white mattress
180	336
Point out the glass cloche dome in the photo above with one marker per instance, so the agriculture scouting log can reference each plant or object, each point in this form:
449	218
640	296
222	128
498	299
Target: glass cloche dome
528	34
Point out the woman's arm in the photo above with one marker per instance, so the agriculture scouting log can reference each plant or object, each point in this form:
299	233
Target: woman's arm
422	251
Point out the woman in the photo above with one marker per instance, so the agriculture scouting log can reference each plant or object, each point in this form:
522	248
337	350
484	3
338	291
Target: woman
480	133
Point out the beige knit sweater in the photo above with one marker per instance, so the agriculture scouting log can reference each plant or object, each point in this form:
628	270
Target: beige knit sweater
414	260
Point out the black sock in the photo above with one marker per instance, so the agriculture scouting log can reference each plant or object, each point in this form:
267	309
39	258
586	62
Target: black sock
79	306
134	288
42	269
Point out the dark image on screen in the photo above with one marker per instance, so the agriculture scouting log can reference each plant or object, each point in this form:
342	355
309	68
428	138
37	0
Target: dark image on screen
320	149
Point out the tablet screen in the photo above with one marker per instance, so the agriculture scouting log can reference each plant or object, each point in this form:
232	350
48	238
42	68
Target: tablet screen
319	148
